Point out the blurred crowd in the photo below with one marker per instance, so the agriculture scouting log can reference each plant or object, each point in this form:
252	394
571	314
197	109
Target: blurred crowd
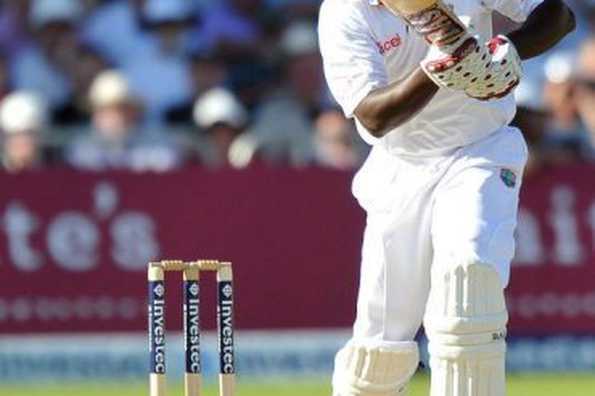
556	100
158	84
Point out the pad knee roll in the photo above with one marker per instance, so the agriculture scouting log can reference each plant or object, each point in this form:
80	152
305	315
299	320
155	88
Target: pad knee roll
374	369
465	322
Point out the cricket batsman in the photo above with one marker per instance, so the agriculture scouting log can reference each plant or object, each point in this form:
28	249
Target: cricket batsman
430	88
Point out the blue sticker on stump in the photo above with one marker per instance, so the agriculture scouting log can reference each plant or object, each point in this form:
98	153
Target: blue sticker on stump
157	327
225	326
192	326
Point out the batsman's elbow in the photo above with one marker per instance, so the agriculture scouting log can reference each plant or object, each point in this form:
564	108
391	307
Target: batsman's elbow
375	127
373	119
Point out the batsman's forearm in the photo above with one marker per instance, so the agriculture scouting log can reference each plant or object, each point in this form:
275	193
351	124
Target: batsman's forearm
549	23
391	106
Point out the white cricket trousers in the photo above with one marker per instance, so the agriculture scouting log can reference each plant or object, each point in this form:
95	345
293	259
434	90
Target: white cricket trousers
462	205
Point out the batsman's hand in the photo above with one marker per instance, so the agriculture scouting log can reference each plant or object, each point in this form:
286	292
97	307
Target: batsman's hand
486	72
502	75
454	53
433	20
456	59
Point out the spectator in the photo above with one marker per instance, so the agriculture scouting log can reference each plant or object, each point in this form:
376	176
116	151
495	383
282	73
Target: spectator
298	101
5	85
562	137
296	9
46	67
585	90
161	75
303	67
90	65
531	118
335	142
243	34
114	28
232	27
223	118
548	146
13	25
116	140
588	10
208	71
558	93
23	119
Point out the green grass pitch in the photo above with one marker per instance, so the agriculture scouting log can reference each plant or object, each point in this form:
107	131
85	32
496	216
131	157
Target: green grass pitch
518	385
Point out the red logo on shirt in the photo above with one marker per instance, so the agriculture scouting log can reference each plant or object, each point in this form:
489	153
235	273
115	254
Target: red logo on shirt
389	44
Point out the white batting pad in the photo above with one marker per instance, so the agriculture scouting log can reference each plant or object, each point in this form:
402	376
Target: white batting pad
375	368
465	322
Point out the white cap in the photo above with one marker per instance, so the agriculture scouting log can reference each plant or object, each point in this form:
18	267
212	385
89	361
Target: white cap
560	67
219	106
167	10
23	112
109	88
299	38
45	11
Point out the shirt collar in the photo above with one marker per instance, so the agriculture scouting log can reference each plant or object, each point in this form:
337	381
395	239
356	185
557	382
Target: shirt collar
374	2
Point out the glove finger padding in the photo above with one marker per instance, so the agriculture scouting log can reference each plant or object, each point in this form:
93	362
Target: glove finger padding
483	72
503	73
457	71
456	59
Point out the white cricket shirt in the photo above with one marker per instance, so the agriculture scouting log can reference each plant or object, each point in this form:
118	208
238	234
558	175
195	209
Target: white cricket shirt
364	47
